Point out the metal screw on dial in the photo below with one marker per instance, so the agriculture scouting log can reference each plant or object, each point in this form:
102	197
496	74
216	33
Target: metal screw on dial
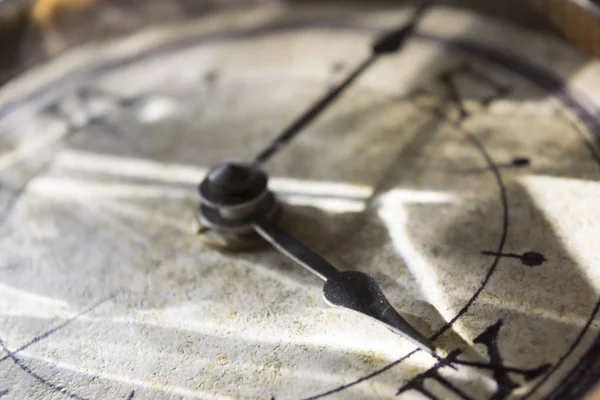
233	196
232	178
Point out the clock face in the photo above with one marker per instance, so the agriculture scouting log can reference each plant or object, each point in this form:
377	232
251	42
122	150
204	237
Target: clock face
461	173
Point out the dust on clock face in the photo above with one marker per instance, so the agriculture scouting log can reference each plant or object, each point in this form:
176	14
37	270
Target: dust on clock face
458	174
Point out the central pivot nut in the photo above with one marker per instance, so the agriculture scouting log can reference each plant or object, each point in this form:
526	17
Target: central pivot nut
232	178
233	196
233	185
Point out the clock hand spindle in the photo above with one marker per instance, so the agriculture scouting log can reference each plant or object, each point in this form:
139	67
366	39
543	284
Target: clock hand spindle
235	201
386	44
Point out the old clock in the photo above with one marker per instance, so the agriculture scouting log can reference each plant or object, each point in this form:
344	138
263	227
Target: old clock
436	169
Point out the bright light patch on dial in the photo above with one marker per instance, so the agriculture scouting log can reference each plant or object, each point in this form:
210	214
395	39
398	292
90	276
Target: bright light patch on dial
407	196
333	189
129	167
167	389
31	147
571	207
20	302
332	204
55	187
137	168
321	328
393	212
155	109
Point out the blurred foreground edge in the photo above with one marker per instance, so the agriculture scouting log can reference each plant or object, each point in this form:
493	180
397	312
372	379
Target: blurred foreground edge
33	30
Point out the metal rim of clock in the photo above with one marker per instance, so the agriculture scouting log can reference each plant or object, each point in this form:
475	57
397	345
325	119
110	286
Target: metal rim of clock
575	102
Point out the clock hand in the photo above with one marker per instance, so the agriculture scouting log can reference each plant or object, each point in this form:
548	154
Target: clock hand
295	249
387	44
235	201
352	290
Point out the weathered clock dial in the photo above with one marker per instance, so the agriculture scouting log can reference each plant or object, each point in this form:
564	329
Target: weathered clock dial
461	173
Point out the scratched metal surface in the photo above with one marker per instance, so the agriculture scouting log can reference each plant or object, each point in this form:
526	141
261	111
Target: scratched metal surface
433	163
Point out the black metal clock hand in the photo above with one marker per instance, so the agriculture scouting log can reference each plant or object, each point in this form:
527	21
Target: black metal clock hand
353	290
295	249
235	201
387	44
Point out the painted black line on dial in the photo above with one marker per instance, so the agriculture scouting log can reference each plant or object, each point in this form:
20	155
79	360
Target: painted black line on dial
529	258
517	162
